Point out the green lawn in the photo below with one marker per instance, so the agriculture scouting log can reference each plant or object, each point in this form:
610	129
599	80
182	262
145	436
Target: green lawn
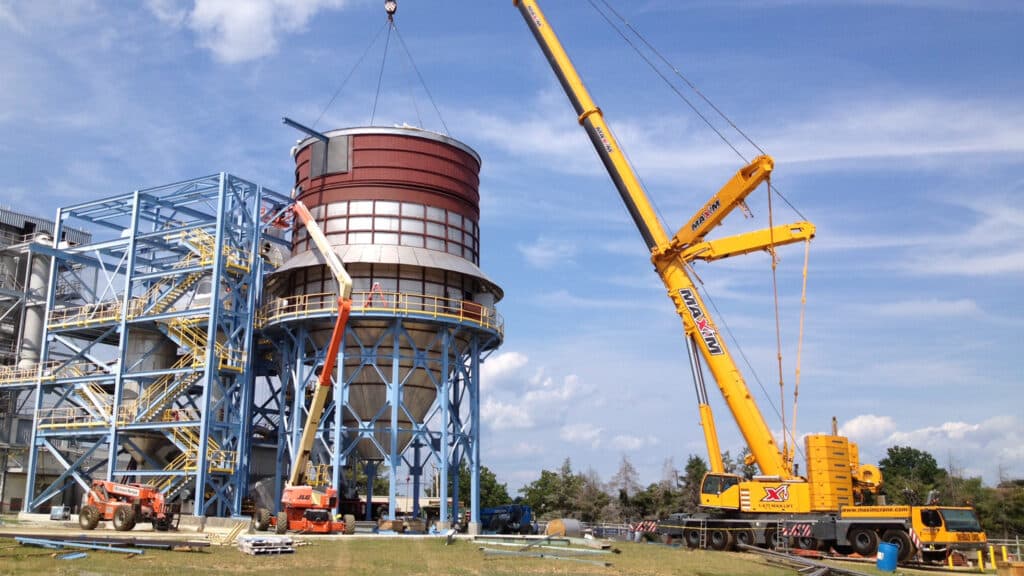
363	556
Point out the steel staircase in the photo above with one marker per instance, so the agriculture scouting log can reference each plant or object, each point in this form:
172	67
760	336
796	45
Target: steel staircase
164	390
187	439
188	334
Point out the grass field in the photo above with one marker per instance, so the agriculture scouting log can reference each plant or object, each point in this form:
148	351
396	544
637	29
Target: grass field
369	556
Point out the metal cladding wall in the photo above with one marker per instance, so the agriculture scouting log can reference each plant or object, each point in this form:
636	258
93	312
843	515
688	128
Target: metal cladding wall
401	208
395	164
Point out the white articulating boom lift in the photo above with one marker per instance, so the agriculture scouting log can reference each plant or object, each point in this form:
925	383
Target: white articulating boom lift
823	509
303	508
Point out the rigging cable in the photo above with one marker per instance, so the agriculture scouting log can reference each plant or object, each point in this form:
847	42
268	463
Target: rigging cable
800	338
720	319
380	75
348	77
778	327
689	83
422	82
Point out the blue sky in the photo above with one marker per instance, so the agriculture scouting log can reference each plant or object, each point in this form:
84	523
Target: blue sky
897	128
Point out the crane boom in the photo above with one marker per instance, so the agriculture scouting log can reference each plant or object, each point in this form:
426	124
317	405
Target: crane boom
667	254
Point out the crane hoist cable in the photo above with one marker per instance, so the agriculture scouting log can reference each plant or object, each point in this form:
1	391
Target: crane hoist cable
800	337
679	93
778	325
787	436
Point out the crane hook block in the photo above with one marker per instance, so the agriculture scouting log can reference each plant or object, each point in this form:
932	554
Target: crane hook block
390	6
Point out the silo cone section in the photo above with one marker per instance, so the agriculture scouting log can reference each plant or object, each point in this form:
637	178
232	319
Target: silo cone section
368	393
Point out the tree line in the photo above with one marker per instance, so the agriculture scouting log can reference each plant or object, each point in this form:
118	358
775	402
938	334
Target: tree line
911	476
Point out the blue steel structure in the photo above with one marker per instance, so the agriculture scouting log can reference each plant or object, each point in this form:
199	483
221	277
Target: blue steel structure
148	376
379	340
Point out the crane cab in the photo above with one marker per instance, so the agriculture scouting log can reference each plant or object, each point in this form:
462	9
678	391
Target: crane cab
720	491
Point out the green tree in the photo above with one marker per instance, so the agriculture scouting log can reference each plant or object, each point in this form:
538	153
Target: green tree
591	500
910	474
624	485
492	492
554	494
692	477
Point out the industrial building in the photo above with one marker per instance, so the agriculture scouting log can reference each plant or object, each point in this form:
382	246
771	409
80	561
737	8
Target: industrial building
184	326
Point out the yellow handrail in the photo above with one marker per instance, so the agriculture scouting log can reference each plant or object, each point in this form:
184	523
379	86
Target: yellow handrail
305	305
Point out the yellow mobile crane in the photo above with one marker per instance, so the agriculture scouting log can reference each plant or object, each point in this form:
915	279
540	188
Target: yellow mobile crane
778	506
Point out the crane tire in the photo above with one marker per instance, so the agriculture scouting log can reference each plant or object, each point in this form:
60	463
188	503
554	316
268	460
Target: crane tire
745	537
124	518
864	541
901	540
89	517
692	537
720	539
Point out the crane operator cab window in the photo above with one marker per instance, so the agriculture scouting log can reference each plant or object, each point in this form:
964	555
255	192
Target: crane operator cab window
714	484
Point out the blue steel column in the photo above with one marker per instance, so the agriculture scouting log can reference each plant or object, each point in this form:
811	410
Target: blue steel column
246	404
474	433
371	473
202	474
443	451
33	462
394	397
122	346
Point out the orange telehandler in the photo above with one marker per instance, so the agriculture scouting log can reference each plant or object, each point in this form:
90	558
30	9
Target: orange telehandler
125	505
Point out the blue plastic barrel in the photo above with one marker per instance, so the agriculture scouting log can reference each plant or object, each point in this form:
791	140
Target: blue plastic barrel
886	559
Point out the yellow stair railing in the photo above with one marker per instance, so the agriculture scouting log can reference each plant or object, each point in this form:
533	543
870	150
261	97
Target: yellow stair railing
172	296
190	335
217	460
205	245
161	392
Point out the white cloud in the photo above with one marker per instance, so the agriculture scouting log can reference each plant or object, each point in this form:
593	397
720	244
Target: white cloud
631	443
546	252
501	367
868	428
241	31
550	393
587	434
990	448
932	308
501	416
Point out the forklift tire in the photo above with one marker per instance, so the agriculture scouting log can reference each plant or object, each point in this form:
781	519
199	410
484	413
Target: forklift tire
282	522
124	518
89	517
262	519
350	523
161	524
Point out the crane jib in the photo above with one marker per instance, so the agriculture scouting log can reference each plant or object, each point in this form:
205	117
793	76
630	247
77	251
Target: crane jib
707	330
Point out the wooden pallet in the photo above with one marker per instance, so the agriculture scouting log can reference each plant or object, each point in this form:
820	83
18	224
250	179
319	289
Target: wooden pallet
257	545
